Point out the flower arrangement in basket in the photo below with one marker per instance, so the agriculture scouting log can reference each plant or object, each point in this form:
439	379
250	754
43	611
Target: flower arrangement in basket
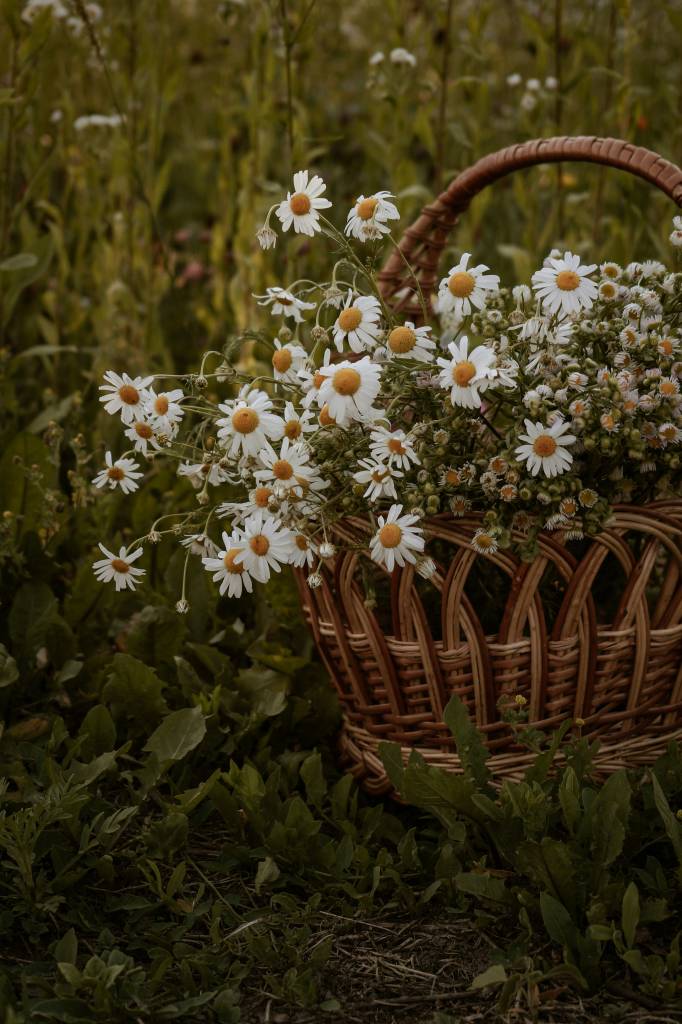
451	483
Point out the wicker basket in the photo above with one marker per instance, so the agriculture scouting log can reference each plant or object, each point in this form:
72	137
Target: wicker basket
395	667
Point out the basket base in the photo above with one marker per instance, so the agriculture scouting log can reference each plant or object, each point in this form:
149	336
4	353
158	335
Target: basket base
359	755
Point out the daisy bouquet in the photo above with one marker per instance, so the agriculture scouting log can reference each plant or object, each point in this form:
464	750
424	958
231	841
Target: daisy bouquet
527	409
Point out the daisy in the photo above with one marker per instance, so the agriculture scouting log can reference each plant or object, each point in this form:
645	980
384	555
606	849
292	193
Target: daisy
198	472
465	287
379	479
544	448
312	381
396	540
164	410
668	387
121	473
302	207
358	323
200	544
467	374
284	302
118	568
676	233
564	286
393	447
232	576
287	360
669	433
459	505
410	342
349	389
124	394
142	435
302	551
249	424
297	424
484	542
367	218
289	468
266	546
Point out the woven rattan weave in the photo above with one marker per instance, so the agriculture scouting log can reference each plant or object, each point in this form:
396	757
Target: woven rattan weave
395	667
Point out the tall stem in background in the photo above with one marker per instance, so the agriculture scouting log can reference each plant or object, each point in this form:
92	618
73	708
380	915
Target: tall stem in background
608	99
558	108
8	177
288	45
441	131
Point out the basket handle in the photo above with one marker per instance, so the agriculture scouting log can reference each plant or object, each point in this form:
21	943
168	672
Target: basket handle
424	241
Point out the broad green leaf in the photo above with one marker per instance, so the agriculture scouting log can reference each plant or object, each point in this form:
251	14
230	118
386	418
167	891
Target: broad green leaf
98	726
267	872
558	922
392	760
179	733
672	826
472	750
66	950
549	864
484	886
313	777
495	975
21	261
630	913
133	692
9	673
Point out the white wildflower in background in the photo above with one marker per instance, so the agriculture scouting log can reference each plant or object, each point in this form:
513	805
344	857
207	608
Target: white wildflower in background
409	342
164	410
466	375
284	303
200	473
301	208
379	478
399	55
123	473
466	287
358	323
142	435
397	540
564	286
544	448
118	568
676	233
125	395
249	424
368	216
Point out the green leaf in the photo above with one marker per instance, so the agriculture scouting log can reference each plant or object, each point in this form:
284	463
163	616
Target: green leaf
267	872
392	760
179	733
472	750
569	798
495	975
608	816
157	635
66	950
671	824
558	922
630	913
550	865
21	261
9	673
313	777
98	726
133	692
484	886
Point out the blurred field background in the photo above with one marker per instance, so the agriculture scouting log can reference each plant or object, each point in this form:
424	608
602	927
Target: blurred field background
141	144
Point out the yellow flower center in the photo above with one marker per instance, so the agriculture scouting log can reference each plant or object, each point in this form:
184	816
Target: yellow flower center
462	284
292	429
484	540
567	280
669	433
229	561
300	204
350	318
366	208
301	542
144	430
665	346
667	388
245	420
608	290
115	473
282	470
319	379
129	394
260	545
395	446
324	418
346	382
401	340
378	475
544	446
463	372
452	477
282	360
119	565
161	405
390	535
262	496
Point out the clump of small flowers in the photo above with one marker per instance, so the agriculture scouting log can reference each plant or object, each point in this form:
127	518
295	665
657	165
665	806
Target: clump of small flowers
517	411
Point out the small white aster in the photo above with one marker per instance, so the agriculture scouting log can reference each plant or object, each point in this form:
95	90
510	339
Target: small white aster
301	208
